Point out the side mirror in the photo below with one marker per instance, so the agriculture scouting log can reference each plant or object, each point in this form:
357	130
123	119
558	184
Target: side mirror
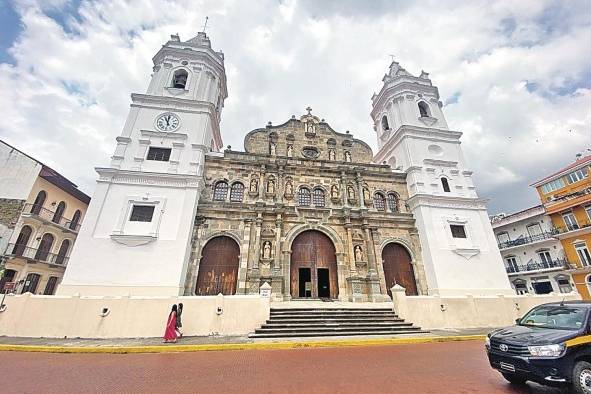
517	321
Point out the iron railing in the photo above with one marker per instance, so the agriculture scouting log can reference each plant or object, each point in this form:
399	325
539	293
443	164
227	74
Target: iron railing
20	250
536	266
573	227
527	240
51	216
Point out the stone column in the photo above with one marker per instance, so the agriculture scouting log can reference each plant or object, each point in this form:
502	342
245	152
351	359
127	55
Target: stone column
244	254
359	181
257	241
344	190
378	255
262	184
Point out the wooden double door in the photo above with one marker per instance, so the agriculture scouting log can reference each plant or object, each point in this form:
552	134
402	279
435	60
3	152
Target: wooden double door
218	269
398	268
313	268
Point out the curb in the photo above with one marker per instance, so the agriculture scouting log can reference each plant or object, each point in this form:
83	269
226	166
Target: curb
234	346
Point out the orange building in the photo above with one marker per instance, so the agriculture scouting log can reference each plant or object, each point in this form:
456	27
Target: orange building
566	195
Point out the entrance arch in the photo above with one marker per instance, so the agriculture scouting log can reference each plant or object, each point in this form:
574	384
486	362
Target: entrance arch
313	267
218	269
398	268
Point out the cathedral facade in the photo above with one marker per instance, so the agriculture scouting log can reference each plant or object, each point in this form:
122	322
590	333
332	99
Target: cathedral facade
304	208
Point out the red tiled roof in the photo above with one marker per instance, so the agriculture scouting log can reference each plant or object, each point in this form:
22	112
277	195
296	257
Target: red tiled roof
582	160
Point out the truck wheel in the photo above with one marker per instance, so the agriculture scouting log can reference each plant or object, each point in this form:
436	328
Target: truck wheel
582	377
514	379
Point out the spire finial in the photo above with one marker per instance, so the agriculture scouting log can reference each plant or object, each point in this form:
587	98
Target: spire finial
391	58
309	110
205	24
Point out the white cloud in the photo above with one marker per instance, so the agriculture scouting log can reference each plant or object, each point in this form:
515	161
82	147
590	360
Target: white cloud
67	95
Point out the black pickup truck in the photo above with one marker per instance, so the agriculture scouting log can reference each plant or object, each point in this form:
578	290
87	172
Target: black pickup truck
550	345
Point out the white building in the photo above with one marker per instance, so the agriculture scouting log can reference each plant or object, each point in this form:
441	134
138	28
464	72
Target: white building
533	255
459	249
137	235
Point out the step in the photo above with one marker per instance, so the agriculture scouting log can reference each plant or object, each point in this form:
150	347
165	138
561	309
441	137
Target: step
278	318
335	329
333	321
331	309
367	311
326	334
330	324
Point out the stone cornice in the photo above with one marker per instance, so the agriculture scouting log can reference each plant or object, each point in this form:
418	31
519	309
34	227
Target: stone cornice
112	175
446	202
399	88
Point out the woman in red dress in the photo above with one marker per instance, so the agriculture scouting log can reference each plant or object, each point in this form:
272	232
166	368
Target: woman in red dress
170	333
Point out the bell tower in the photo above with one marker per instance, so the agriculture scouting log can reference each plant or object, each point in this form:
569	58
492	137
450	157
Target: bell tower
136	236
458	246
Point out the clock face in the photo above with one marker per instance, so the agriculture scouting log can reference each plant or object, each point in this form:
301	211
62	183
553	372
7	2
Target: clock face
167	122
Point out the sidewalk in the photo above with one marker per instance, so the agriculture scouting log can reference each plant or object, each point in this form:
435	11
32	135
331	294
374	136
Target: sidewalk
210	343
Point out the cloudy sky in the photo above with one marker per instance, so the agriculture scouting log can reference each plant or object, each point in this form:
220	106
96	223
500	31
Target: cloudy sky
515	76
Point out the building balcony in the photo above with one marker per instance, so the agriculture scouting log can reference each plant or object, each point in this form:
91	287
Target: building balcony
534	266
582	227
528	240
50	217
36	255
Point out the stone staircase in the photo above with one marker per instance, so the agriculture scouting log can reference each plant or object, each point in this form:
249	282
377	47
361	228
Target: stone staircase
320	322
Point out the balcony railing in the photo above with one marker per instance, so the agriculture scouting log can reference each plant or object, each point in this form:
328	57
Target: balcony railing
50	216
536	266
20	250
527	240
581	224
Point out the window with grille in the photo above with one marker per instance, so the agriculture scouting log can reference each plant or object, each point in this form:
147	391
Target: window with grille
220	191
318	197
577	175
458	231
379	202
393	202
237	192
304	197
142	213
159	154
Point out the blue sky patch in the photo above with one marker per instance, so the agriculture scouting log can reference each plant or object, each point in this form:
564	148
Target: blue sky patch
10	28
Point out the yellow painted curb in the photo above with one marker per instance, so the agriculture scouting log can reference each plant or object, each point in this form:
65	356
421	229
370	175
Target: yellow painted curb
235	346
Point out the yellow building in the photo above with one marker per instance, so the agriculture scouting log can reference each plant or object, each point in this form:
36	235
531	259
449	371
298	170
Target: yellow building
566	195
40	215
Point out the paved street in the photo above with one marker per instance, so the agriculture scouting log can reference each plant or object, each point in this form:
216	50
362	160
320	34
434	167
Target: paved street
459	367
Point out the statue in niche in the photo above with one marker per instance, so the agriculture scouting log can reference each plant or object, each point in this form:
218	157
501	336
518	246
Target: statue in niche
347	156
331	155
271	186
267	250
334	191
366	195
358	253
288	188
254	185
272	148
289	150
351	192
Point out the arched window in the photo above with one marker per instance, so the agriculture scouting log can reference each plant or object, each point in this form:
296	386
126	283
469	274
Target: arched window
75	220
44	247
424	109
220	191
385	125
59	212
31	283
50	287
179	79
61	254
445	185
318	197
393	202
22	241
304	197
237	192
39	201
379	202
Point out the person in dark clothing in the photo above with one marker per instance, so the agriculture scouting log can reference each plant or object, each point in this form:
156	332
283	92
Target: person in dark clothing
179	323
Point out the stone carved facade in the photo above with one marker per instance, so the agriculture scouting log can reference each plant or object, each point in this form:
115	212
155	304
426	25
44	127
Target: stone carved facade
267	220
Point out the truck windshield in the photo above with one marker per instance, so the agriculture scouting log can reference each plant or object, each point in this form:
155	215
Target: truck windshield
560	317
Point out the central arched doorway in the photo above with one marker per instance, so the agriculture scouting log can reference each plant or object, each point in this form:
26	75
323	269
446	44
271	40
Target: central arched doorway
218	269
313	268
398	268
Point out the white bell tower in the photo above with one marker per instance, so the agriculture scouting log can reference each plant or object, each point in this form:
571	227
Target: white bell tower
459	248
136	236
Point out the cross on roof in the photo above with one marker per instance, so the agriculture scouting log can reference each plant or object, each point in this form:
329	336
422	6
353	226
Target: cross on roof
205	24
391	58
309	110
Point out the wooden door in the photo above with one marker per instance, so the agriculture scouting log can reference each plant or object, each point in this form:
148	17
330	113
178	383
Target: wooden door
313	249
398	269
218	270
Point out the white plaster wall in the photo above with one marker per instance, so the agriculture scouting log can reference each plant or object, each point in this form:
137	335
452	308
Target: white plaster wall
99	265
18	173
129	317
5	234
467	311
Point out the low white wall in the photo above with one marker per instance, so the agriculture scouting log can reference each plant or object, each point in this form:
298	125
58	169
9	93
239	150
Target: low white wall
129	317
434	312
